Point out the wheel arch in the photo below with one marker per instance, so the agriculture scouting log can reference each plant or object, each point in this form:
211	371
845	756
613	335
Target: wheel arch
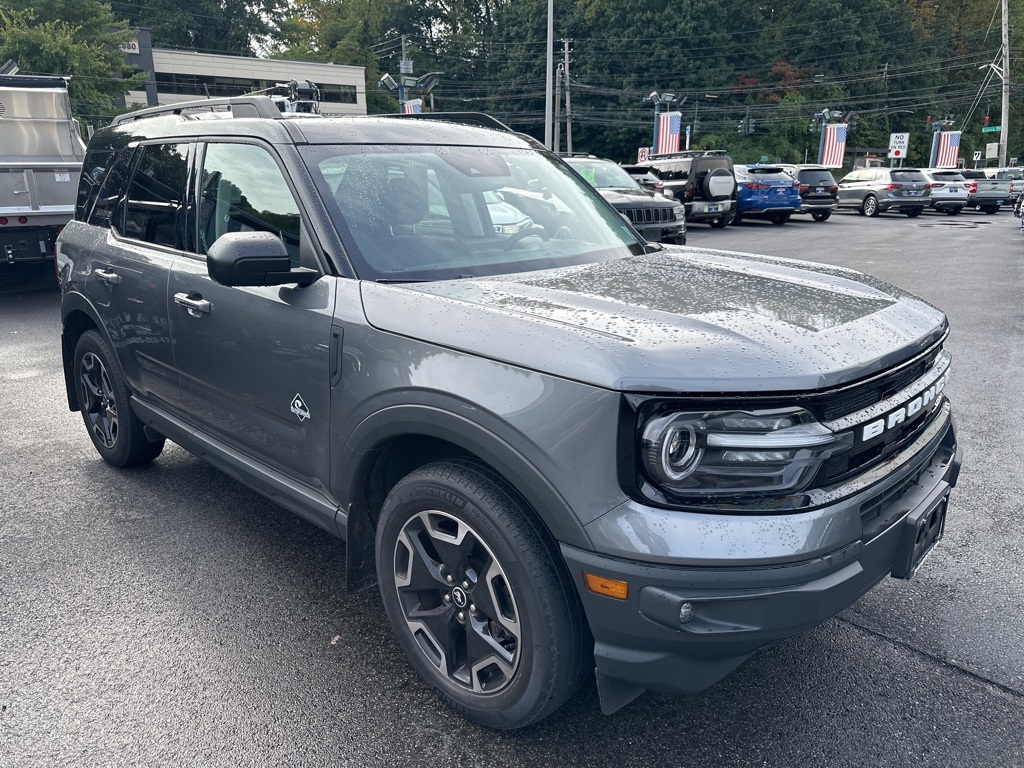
394	441
77	317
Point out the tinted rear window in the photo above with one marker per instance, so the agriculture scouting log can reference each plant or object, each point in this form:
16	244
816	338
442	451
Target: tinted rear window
816	177
908	176
765	173
948	176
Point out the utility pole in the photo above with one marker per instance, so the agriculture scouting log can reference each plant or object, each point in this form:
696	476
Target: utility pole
568	99
558	110
1004	128
549	72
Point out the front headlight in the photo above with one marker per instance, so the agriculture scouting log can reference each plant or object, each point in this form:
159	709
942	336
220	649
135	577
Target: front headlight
735	452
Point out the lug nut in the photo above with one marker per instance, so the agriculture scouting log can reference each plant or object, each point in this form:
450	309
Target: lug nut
462	615
447	598
465	585
472	608
449	578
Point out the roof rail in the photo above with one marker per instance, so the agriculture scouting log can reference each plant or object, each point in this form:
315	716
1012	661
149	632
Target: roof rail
33	81
240	106
688	153
466	118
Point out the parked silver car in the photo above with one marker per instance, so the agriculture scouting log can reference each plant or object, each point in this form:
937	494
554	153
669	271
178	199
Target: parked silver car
948	190
872	191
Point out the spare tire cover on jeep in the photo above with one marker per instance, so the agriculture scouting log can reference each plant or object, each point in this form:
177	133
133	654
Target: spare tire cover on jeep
719	184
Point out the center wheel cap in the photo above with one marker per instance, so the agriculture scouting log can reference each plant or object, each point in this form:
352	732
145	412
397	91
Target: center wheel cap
459	597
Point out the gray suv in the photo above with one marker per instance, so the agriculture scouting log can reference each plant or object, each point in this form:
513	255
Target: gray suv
554	447
872	191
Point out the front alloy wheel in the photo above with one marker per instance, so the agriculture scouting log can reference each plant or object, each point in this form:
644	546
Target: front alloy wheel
457	602
478	596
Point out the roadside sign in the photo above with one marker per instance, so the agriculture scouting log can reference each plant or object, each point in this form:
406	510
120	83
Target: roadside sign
641	155
992	150
992	129
765	159
977	155
898	143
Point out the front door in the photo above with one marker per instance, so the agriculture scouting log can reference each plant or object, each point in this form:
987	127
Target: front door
255	363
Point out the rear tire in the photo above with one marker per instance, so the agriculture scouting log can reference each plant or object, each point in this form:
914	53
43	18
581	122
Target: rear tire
870	206
105	404
724	220
478	596
990	209
823	216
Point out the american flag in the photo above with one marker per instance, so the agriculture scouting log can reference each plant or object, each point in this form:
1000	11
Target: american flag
413	107
833	145
949	149
668	132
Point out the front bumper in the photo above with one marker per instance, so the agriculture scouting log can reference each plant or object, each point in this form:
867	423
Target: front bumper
748	604
654	233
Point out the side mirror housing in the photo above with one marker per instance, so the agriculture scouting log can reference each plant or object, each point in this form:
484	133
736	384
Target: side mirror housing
254	258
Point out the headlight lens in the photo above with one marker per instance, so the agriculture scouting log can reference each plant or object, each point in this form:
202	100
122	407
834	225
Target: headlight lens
735	452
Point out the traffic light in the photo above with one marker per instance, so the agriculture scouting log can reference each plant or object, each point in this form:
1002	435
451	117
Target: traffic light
985	121
928	124
851	122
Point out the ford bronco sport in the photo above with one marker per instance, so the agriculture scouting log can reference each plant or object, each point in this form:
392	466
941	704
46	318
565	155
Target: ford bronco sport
553	449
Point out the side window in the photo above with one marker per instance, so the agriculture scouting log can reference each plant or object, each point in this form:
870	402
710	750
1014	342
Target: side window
243	190
111	190
154	204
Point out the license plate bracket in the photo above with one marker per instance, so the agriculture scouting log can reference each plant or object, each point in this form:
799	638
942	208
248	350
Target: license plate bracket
712	209
922	530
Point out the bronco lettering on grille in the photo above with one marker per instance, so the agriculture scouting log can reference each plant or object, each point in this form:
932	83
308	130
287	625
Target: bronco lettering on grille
906	411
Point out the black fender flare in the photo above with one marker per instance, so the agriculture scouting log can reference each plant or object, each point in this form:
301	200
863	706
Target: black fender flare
73	302
352	473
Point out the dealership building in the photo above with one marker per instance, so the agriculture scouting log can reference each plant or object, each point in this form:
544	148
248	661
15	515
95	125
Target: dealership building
177	76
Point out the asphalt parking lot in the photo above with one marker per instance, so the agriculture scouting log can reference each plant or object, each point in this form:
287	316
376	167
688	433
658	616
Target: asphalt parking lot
169	616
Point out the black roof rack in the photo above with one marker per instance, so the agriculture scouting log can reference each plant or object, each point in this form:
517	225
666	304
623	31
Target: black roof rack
33	81
689	153
240	106
465	118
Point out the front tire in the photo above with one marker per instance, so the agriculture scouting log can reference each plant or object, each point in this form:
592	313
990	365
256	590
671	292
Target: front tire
724	220
913	212
104	401
477	596
779	219
822	216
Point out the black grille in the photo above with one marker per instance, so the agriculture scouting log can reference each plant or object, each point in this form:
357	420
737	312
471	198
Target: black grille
861	396
649	215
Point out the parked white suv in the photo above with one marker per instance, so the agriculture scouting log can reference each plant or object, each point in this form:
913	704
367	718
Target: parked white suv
947	188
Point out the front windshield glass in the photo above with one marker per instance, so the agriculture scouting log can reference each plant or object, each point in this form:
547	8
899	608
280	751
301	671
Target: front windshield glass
603	174
409	213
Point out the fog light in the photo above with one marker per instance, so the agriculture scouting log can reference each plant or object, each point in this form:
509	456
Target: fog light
685	612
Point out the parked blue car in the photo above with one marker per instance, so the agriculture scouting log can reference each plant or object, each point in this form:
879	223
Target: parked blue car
765	192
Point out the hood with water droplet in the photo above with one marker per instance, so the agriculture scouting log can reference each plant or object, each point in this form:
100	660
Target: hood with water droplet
681	320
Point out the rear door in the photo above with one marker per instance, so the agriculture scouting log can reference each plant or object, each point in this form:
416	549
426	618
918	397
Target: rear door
138	217
255	363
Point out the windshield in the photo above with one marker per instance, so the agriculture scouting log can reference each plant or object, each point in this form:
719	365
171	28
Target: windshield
408	213
603	174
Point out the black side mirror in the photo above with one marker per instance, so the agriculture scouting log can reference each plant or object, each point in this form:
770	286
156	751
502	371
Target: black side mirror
254	258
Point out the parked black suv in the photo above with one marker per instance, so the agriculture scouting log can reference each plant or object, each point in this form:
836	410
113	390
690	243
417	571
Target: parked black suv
657	217
553	446
703	180
819	192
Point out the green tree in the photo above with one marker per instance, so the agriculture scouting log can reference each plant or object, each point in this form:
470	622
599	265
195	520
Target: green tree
209	26
82	40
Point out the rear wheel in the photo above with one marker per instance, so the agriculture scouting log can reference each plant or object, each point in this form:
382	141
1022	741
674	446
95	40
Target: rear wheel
477	596
724	220
870	206
821	216
990	209
103	399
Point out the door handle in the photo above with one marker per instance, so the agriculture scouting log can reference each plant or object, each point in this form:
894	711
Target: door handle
196	307
110	278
